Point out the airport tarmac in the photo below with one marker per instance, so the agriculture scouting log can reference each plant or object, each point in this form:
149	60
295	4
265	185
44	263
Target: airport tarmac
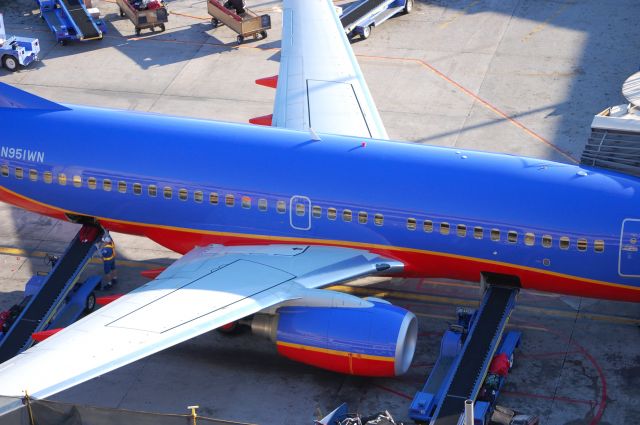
513	76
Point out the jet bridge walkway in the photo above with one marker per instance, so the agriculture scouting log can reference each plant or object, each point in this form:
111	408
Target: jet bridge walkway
43	305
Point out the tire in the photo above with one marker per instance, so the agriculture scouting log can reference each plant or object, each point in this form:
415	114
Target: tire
240	39
215	22
63	42
366	32
138	31
263	34
408	6
10	63
90	303
122	14
162	28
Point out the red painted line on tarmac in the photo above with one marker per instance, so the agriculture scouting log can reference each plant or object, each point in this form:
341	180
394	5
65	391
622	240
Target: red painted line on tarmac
603	396
392	391
548	397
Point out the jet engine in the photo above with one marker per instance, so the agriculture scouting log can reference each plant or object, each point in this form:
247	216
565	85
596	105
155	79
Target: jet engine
378	340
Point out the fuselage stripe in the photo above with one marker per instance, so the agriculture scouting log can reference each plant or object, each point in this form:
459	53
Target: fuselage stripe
347	354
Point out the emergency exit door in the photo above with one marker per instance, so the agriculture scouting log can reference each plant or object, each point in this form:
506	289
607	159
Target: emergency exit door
300	212
630	248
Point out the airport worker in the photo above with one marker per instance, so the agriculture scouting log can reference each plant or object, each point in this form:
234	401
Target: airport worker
108	253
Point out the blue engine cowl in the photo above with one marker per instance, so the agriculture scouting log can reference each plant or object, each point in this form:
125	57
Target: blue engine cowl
368	341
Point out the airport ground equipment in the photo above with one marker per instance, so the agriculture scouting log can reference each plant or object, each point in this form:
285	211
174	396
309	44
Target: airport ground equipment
467	352
144	19
69	20
342	416
17	51
250	24
361	17
44	307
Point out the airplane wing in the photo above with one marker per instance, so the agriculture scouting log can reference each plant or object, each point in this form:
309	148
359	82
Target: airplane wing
207	288
320	85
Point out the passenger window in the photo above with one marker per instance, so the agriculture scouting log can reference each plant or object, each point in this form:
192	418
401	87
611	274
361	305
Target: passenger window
363	217
547	241
598	245
462	230
230	200
5	170
378	219
427	226
564	242
512	236
316	211
122	187
168	192
300	210
48	177
198	196
332	213
246	202
62	179
478	232
92	183
346	215
411	223
106	185
281	207
213	198
19	173
529	239
183	194
33	175
495	234
582	244
444	228
137	188
262	204
152	190
77	181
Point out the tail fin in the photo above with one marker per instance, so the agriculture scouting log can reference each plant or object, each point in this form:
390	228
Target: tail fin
11	97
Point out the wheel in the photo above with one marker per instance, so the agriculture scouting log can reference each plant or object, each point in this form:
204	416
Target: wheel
63	42
10	63
240	39
408	6
263	34
90	303
162	27
138	31
366	32
121	13
215	22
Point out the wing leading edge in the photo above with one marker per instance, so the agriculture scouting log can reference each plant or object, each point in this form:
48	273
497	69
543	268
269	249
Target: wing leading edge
320	84
207	288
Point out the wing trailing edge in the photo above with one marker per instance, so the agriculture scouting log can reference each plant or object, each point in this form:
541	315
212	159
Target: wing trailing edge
14	98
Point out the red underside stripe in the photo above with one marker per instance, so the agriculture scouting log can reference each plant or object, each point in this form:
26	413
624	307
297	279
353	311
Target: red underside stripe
417	264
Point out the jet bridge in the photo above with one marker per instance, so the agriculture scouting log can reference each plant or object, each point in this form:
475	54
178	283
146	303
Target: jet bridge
42	307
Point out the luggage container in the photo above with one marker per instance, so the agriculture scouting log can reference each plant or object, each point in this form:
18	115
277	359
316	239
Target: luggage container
143	19
246	25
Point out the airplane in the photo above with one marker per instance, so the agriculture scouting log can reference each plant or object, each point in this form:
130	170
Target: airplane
267	216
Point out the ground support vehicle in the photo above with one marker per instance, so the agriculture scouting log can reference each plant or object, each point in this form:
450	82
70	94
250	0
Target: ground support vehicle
17	51
144	19
69	20
361	17
249	24
52	300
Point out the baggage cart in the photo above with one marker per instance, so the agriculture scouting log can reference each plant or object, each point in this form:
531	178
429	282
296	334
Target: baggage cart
142	19
247	25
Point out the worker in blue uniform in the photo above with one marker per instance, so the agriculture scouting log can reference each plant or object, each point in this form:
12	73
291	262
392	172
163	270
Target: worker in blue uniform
108	253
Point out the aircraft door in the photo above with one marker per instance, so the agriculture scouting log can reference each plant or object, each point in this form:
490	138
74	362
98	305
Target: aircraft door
300	212
629	264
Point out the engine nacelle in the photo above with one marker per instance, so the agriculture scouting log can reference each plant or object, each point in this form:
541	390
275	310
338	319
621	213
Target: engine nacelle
369	341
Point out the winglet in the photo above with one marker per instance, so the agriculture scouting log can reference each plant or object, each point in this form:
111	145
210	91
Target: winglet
11	97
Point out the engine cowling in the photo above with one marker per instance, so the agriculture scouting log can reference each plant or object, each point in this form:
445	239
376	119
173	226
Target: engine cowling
370	341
